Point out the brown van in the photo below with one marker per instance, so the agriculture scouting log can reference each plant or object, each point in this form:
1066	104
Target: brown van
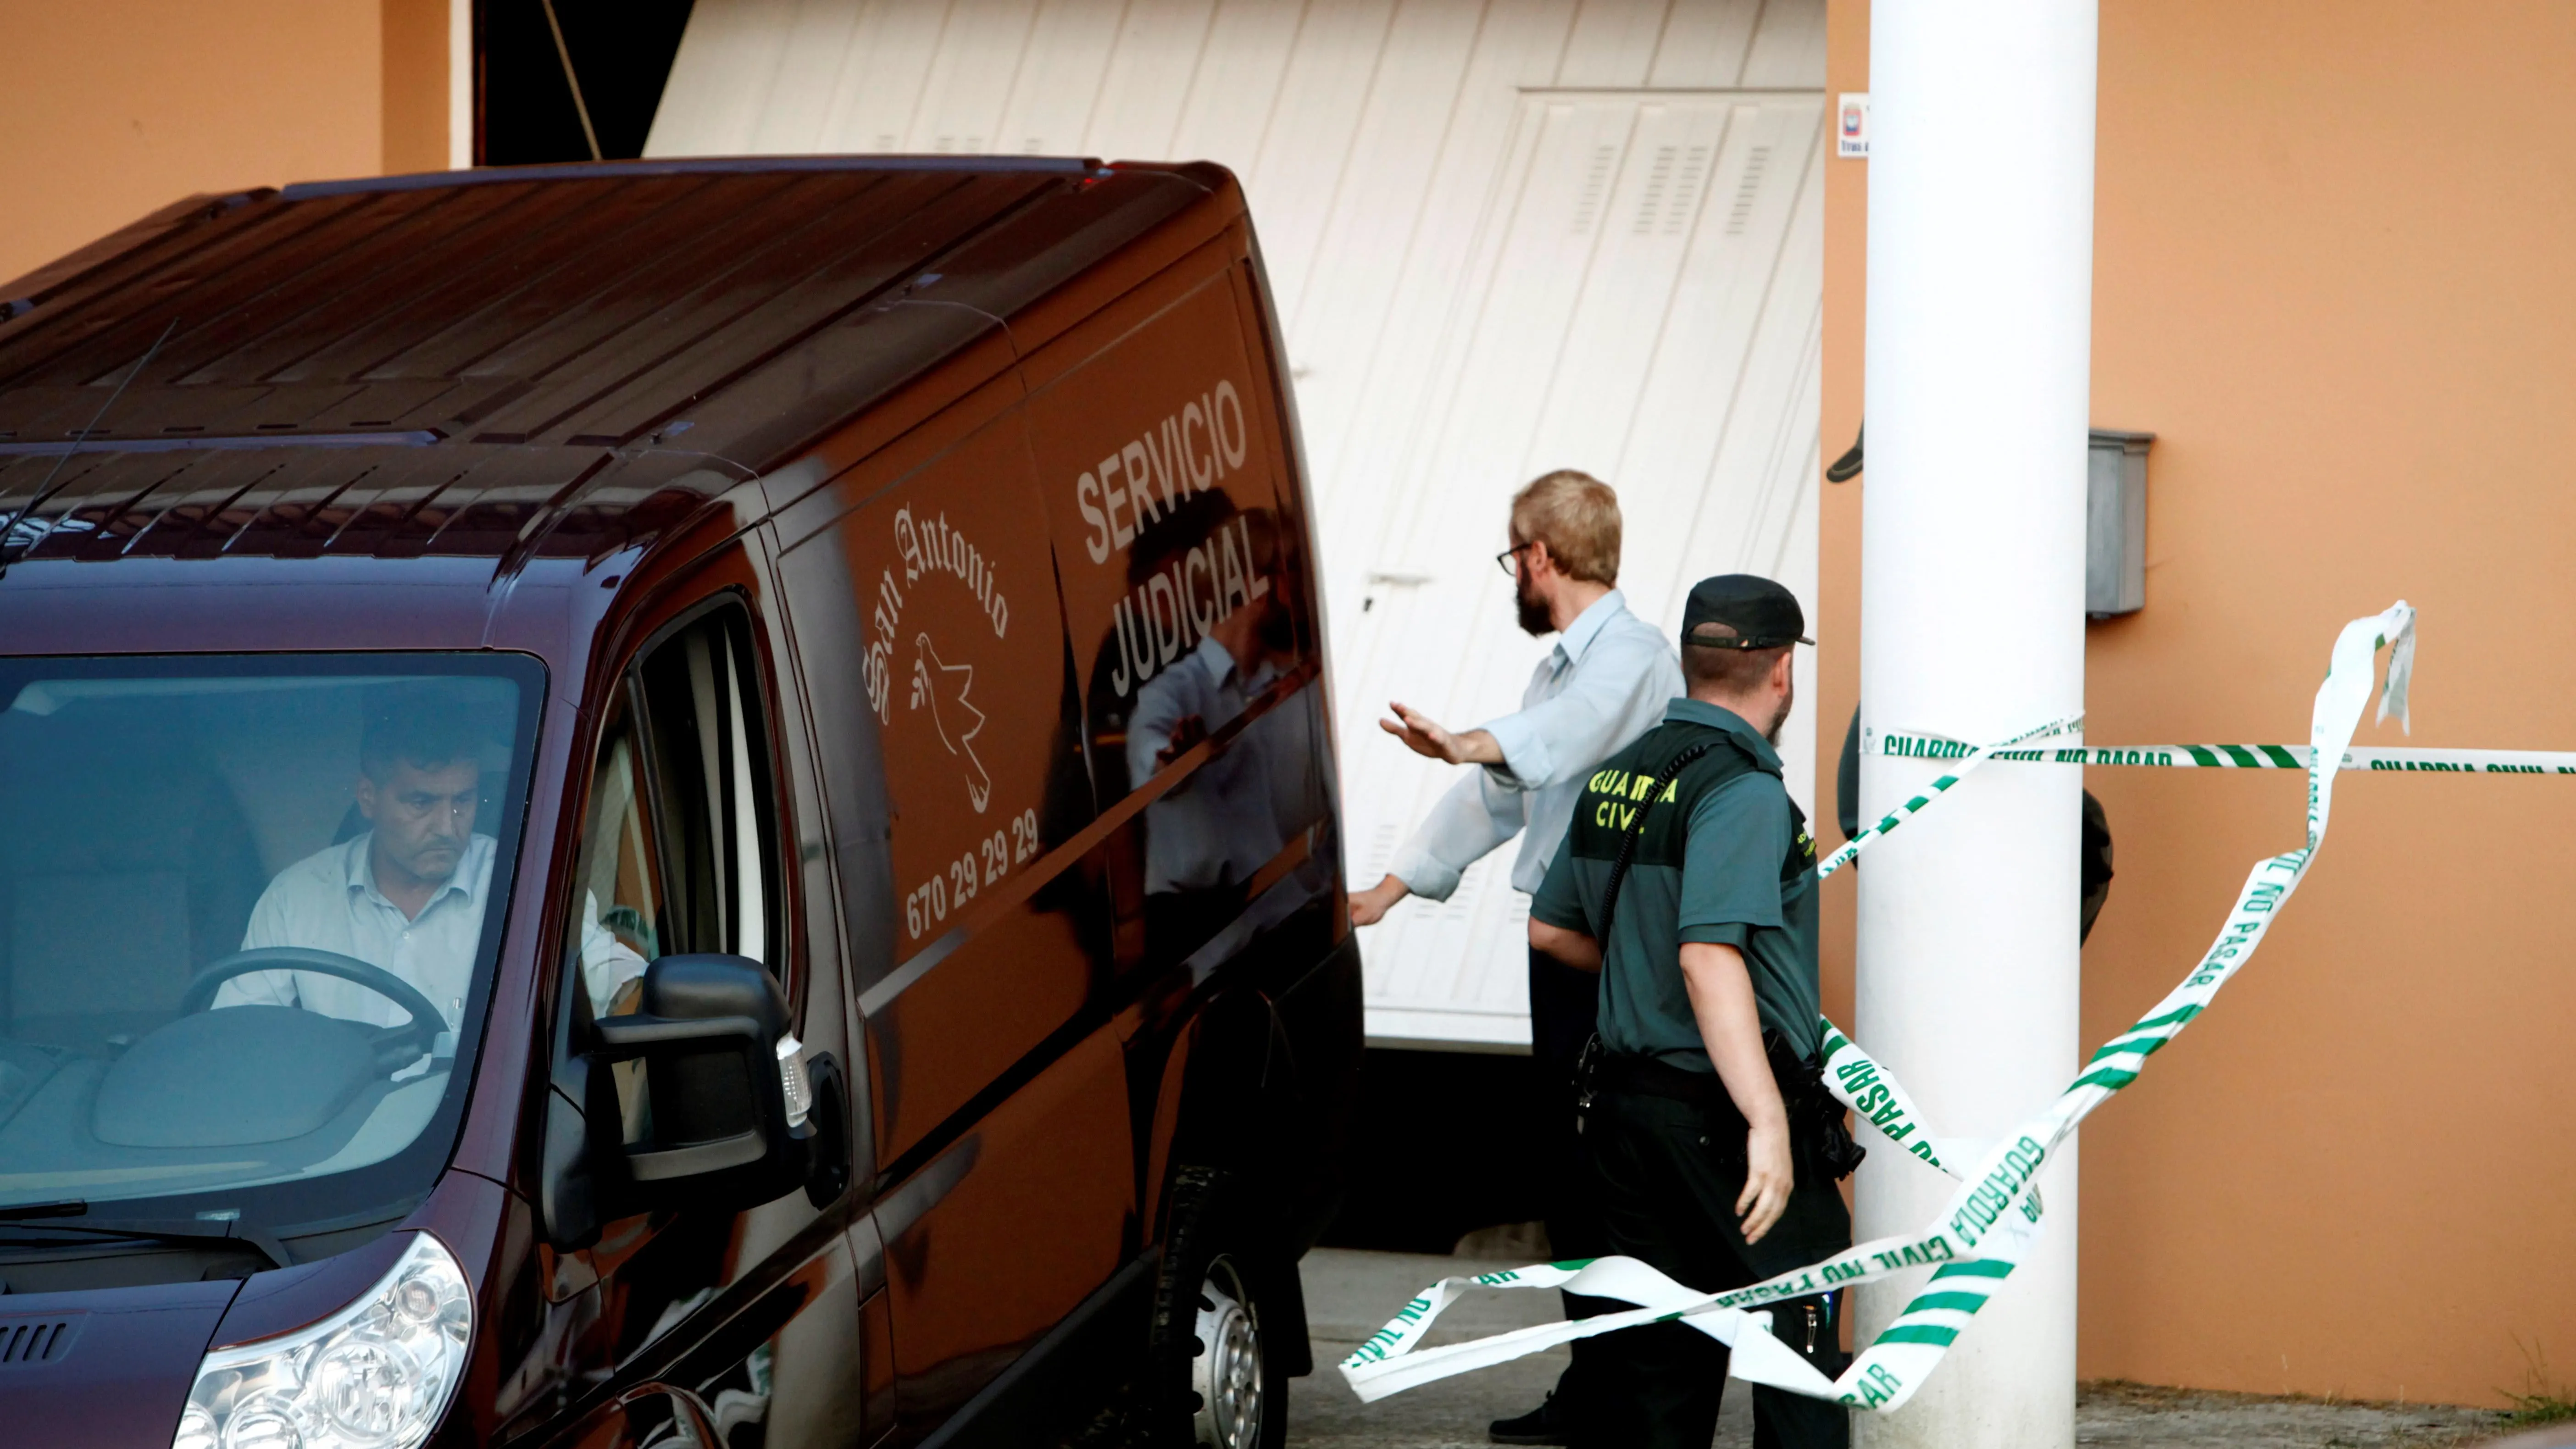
663	804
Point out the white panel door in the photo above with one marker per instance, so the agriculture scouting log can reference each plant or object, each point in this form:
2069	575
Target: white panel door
1643	304
1482	273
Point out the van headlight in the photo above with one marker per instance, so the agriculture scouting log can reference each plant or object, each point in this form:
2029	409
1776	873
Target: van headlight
375	1375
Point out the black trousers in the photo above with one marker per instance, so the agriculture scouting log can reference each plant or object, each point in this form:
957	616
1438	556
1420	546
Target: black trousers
1668	1174
1564	1006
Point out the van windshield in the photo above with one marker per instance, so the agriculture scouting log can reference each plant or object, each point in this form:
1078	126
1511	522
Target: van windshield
249	907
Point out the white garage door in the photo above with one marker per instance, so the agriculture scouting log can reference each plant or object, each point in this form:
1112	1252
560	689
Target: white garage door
1505	237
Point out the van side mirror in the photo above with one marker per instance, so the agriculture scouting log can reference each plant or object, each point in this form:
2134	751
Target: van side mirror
727	1095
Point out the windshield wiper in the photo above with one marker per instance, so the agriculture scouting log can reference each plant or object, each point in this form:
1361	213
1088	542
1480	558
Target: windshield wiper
176	1233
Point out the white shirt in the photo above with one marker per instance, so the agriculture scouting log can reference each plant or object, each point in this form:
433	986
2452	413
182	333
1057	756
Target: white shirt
1605	683
328	901
1218	826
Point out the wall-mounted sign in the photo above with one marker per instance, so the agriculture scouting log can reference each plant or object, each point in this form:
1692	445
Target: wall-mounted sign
1851	124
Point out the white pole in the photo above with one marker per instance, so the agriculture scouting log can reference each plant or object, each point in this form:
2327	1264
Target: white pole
1972	625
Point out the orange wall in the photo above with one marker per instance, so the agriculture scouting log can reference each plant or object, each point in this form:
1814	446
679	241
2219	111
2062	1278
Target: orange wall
1838	533
414	72
2332	274
115	108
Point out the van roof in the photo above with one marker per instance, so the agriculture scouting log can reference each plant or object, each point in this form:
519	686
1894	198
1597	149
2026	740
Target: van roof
559	361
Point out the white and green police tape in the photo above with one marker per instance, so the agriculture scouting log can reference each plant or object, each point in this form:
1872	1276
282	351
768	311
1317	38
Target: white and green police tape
2266	757
1995	1215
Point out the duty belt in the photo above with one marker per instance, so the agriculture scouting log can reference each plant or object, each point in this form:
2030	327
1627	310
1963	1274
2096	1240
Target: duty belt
1815	1115
1655	1077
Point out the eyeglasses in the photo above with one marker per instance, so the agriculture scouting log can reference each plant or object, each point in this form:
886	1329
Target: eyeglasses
1510	559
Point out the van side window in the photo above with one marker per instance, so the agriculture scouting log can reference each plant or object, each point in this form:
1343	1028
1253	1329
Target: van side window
709	757
616	920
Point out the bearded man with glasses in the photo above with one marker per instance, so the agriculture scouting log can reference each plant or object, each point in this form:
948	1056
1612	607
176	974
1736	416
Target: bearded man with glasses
1605	683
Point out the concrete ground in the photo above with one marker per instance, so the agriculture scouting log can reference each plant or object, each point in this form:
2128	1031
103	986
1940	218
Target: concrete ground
1351	1294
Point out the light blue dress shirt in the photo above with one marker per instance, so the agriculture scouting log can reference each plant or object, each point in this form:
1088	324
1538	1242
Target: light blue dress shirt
1605	683
1217	826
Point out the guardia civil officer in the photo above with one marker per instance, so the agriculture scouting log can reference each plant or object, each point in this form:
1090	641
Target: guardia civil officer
1688	880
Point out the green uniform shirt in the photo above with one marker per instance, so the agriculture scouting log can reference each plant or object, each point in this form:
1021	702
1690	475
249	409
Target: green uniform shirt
1723	857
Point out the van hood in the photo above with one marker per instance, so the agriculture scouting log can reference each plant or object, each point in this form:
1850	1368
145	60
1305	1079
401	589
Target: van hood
109	1368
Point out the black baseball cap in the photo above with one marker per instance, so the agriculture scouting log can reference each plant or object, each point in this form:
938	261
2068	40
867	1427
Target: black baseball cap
1762	614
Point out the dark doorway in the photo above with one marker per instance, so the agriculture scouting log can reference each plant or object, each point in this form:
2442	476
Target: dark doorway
620	53
1448	1154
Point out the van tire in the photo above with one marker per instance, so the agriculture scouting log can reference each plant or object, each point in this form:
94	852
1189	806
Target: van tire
1215	1374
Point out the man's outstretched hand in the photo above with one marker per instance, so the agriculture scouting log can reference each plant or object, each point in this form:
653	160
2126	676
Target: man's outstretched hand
1423	735
1370	906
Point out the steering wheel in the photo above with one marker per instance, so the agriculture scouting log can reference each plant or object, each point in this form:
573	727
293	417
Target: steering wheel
396	1047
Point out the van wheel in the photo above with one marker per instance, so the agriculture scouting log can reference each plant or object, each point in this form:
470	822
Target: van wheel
1215	1366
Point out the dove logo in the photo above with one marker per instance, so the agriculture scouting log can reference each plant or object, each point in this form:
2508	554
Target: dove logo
927	547
945	689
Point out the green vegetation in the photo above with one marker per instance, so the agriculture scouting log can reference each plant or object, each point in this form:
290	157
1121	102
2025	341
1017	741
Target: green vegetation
2542	1401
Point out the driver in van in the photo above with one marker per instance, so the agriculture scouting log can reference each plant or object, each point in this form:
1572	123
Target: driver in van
407	894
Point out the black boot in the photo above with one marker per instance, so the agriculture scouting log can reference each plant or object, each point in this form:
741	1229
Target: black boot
1546	1424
